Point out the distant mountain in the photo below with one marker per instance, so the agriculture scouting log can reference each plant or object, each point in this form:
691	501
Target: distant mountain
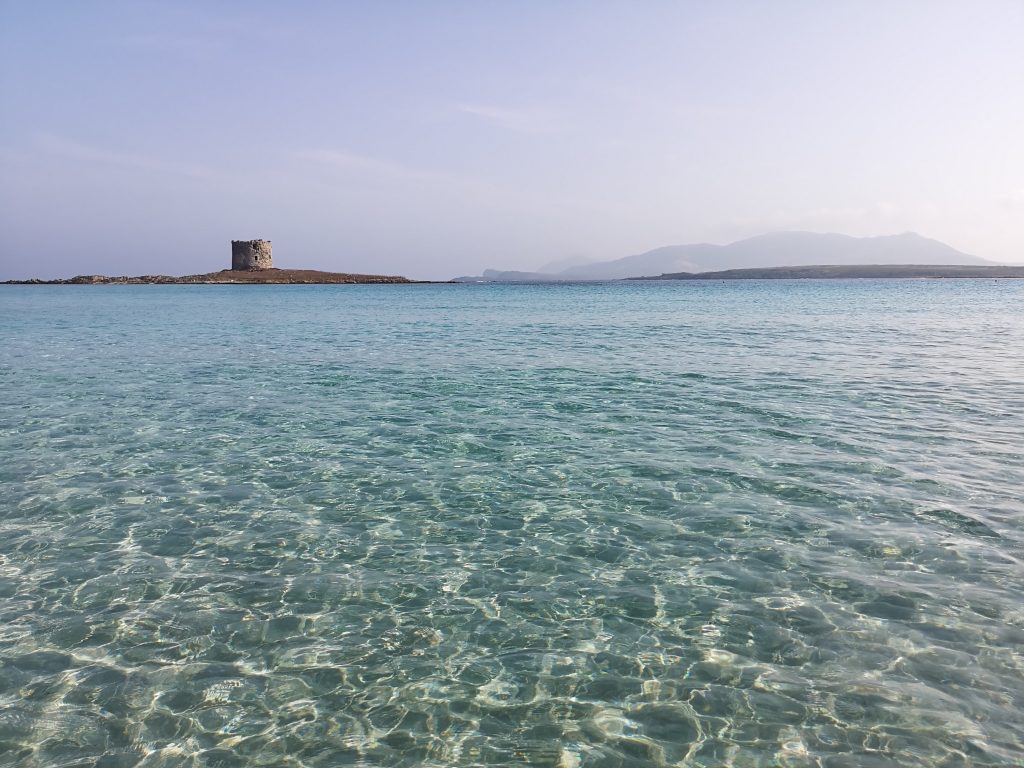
560	265
781	249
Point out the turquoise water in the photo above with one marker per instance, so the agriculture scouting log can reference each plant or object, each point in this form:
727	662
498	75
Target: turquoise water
746	523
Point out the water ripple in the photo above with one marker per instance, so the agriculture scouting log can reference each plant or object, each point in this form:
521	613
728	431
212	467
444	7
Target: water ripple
608	525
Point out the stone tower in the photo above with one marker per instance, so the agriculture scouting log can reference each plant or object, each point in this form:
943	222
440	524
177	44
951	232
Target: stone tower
251	255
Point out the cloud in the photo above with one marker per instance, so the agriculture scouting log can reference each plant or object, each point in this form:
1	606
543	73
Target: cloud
522	120
64	147
364	163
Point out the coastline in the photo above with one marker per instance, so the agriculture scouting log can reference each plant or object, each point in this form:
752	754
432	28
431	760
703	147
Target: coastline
270	276
853	271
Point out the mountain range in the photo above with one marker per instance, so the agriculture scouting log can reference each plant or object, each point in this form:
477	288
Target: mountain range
779	249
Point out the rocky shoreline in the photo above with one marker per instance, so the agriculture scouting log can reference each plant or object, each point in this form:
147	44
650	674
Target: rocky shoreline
227	277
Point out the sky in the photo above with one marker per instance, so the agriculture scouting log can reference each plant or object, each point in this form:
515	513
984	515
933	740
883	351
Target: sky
435	139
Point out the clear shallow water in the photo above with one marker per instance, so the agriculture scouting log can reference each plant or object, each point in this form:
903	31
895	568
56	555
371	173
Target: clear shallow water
748	523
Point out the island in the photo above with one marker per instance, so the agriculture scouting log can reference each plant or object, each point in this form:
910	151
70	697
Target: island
251	264
851	271
225	277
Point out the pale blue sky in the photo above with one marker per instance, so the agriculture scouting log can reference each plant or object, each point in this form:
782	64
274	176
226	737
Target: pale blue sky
437	138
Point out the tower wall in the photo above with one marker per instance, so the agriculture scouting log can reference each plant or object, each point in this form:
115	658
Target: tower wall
251	255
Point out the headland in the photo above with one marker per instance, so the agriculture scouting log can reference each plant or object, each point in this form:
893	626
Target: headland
270	276
251	264
852	271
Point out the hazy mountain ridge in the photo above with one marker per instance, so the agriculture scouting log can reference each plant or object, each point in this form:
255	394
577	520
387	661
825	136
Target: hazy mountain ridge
780	249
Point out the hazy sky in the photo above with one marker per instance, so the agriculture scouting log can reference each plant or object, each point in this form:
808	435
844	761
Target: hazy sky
437	138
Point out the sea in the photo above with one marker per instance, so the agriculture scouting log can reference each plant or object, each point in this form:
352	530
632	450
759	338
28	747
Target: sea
742	523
